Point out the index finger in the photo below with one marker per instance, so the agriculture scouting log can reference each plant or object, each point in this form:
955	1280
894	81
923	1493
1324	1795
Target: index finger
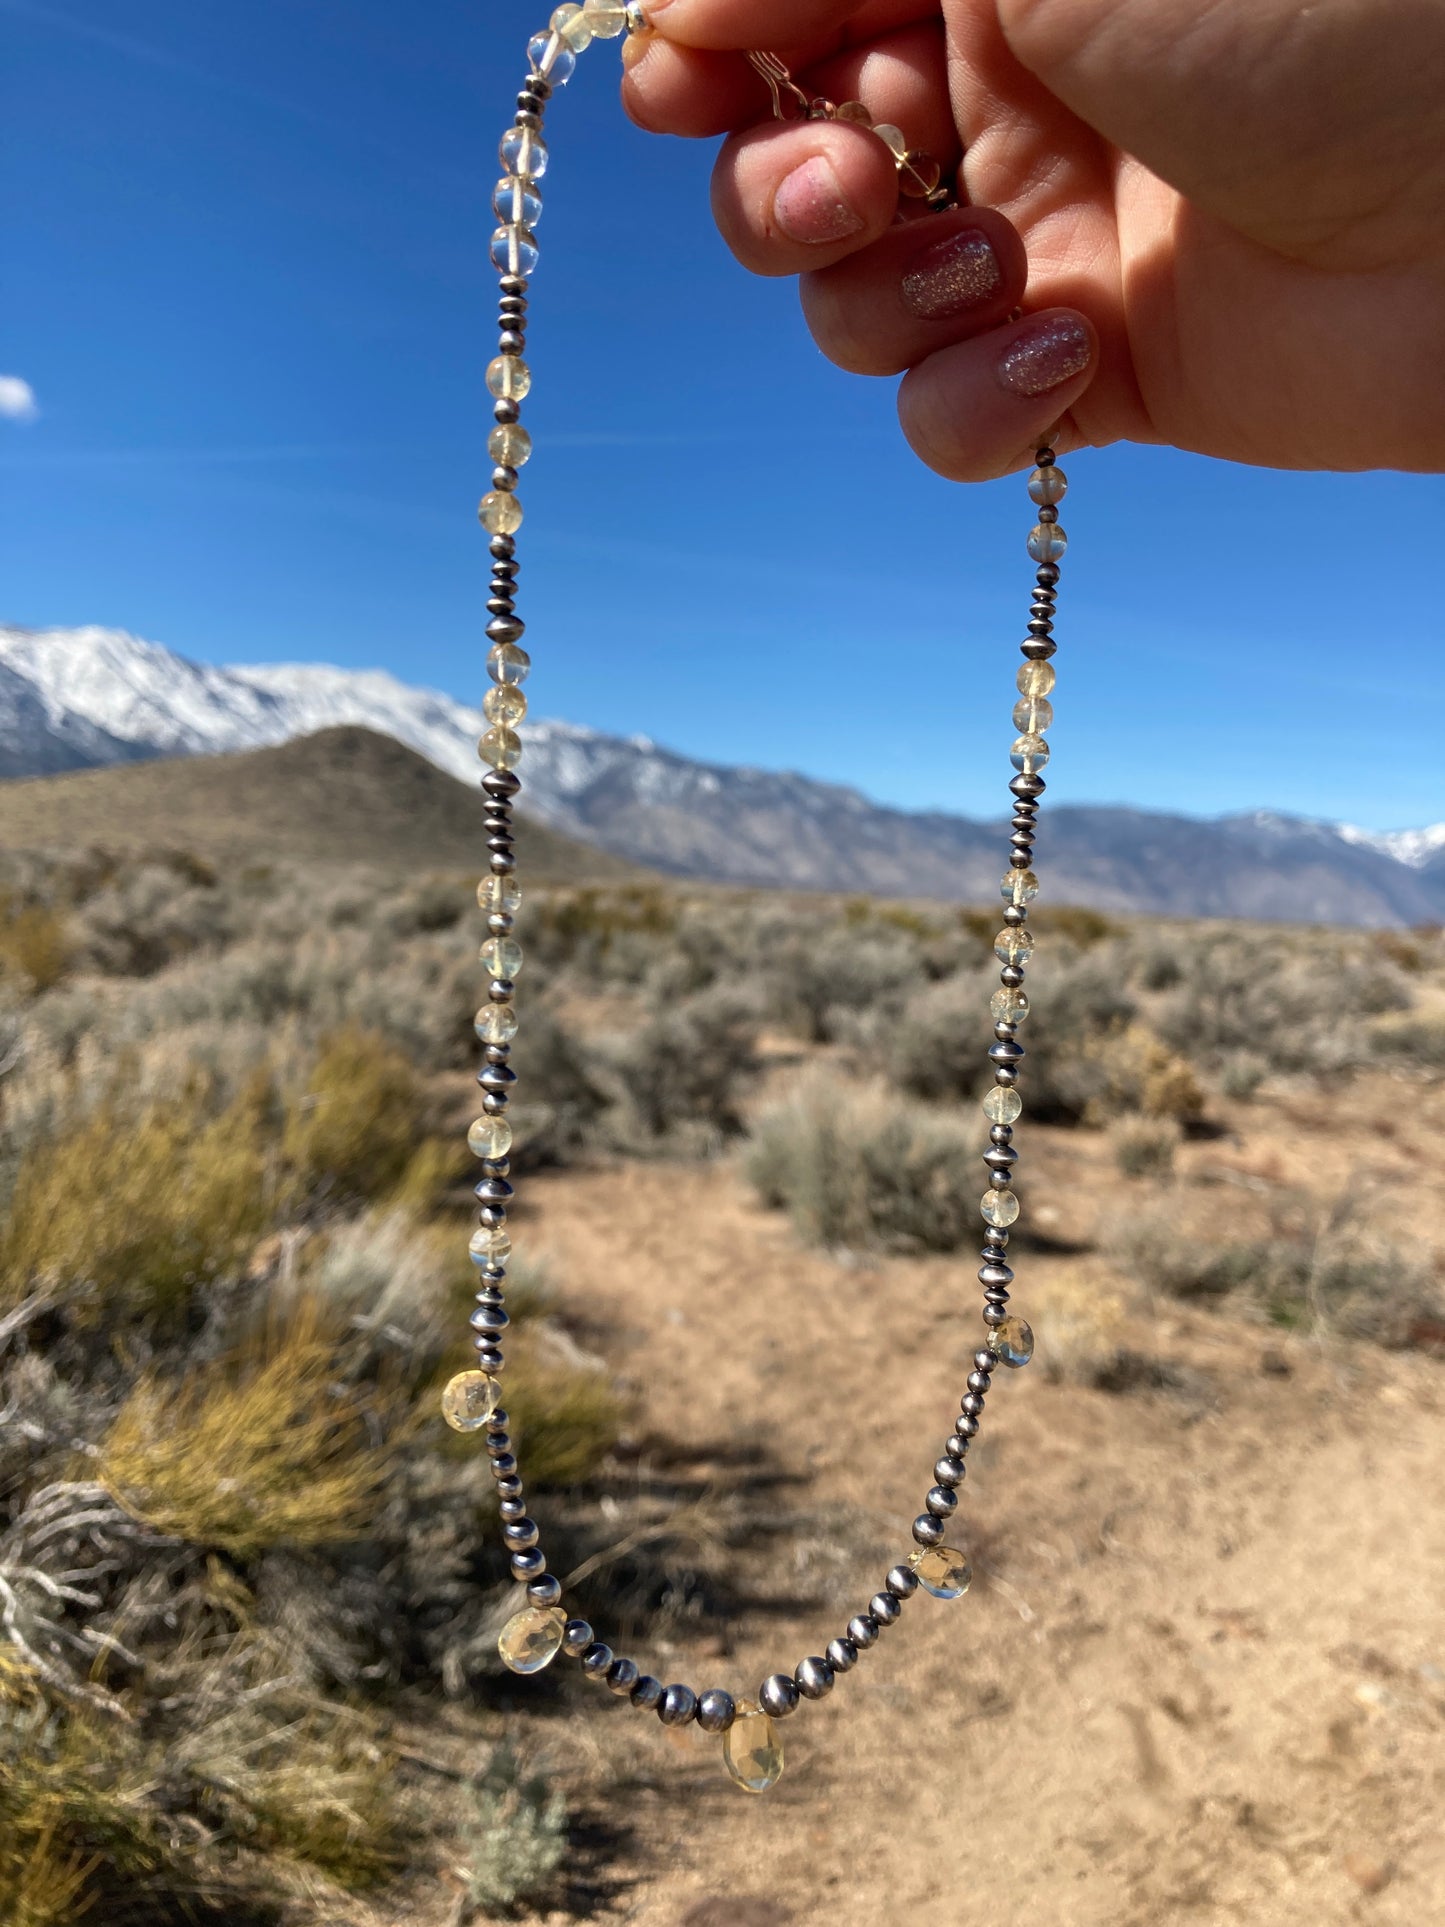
819	26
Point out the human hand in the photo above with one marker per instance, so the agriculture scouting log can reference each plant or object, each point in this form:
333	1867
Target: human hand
1230	217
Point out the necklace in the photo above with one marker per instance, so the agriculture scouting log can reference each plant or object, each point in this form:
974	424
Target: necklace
534	1636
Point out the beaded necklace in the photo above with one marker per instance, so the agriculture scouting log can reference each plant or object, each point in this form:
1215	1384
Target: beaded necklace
533	1637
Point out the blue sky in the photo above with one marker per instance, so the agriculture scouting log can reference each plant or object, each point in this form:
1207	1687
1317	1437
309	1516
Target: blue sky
245	274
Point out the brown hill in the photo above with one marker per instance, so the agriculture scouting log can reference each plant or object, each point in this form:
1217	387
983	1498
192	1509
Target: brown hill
346	795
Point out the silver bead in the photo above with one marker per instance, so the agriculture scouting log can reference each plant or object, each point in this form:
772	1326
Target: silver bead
513	1509
814	1678
597	1660
647	1692
902	1582
622	1676
863	1631
716	1710
521	1533
545	1591
941	1502
528	1565
948	1472
778	1696
884	1608
677	1706
576	1636
927	1531
842	1655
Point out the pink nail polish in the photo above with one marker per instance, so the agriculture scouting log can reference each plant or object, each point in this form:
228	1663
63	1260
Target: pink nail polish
1044	354
953	277
810	206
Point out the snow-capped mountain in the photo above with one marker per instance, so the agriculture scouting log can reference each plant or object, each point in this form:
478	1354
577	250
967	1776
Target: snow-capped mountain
73	698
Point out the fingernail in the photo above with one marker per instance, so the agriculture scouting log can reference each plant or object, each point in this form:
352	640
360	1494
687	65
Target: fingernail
1044	354
810	206
953	276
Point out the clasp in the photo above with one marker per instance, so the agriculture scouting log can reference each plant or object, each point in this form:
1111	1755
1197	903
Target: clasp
780	81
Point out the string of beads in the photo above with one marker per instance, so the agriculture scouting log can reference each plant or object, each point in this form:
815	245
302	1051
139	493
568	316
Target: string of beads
541	1629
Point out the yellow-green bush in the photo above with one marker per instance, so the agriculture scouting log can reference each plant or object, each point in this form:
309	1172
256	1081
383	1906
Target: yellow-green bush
566	1419
35	941
353	1124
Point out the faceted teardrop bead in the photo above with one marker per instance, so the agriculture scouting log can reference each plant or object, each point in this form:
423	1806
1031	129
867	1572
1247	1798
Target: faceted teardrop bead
942	1570
572	23
1048	486
855	112
1034	678
499	897
515	251
500	513
489	1247
502	956
893	138
516	202
470	1400
532	1638
505	705
1000	1208
1015	945
1008	1007
510	444
552	58
1047	542
507	663
509	378
1002	1107
502	748
1033	713
752	1751
1019	887
524	152
606	18
1013	1340
488	1137
496	1024
1028	755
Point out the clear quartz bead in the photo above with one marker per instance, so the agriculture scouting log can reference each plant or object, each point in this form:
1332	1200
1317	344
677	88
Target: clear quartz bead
752	1751
515	251
1048	486
1033	713
606	18
510	444
1020	887
1008	1007
1014	944
502	956
489	1137
1047	542
495	1024
470	1400
551	57
489	1246
1000	1208
532	1638
1013	1340
1002	1107
500	513
1036	678
501	748
1029	754
499	896
509	378
572	24
516	201
504	704
524	152
508	663
942	1571
893	138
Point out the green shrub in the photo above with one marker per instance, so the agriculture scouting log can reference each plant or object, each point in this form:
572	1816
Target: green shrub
352	1127
690	1065
558	1099
1144	1147
516	1836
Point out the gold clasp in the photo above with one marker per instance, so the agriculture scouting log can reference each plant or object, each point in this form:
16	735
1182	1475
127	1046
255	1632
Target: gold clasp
780	81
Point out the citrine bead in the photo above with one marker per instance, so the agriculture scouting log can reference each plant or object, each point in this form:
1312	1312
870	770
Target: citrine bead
606	18
1033	713
470	1400
942	1571
496	1024
499	896
532	1638
893	138
1013	1340
524	152
1002	1106
488	1246
515	250
919	174
1014	945
1019	887
502	748
855	112
488	1137
500	513
509	378
510	444
575	28
502	956
1036	678
1047	542
1048	486
1008	1007
505	705
507	663
1000	1208
1029	754
752	1751
516	202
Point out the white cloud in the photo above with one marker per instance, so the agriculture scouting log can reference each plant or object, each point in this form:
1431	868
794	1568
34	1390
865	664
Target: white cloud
17	400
